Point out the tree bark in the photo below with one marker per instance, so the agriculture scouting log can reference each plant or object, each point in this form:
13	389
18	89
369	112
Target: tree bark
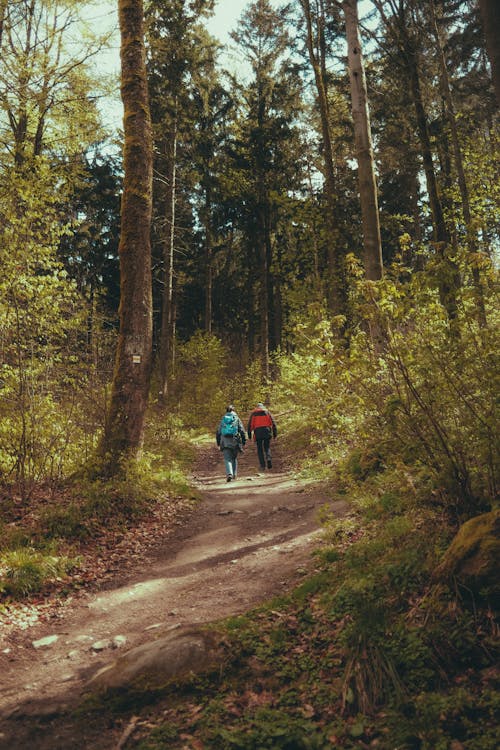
263	270
490	14
209	251
372	242
124	430
167	335
3	9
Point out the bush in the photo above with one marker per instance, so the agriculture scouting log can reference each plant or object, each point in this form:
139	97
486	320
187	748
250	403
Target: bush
26	570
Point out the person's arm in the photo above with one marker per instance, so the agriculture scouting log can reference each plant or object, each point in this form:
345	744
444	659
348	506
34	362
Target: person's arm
249	428
241	430
274	428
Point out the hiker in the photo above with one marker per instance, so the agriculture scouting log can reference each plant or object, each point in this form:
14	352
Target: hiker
263	427
231	438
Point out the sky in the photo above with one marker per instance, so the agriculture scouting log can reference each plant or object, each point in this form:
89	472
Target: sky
225	18
104	16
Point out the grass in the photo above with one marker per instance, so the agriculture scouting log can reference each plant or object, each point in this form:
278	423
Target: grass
26	570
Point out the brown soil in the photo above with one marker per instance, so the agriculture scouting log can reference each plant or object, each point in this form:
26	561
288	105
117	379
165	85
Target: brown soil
245	542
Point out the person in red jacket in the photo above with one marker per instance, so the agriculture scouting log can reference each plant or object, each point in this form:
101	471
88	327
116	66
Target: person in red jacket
262	425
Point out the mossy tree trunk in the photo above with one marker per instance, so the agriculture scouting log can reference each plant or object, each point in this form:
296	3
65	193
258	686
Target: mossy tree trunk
124	431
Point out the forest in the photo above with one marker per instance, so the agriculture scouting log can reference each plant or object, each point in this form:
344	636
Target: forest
317	228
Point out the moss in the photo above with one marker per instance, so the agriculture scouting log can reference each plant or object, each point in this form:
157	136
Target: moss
472	558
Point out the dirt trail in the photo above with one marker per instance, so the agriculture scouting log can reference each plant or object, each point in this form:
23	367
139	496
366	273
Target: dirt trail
245	542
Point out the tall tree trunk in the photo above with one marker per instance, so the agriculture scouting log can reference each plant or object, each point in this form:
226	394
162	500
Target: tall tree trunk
449	279
472	242
272	344
209	249
490	14
372	242
281	246
124	430
264	246
251	293
167	335
3	9
263	270
337	293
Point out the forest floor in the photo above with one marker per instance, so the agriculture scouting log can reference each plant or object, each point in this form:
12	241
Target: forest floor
243	543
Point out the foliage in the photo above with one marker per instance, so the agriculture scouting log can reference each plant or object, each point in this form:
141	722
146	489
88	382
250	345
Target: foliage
26	570
40	319
47	91
203	367
422	402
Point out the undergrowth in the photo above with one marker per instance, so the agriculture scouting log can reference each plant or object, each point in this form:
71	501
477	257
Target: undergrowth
367	653
36	538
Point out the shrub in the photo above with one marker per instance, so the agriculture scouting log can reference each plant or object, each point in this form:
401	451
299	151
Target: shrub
25	570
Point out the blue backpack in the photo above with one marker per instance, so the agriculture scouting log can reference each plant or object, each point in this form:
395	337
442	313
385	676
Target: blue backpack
229	424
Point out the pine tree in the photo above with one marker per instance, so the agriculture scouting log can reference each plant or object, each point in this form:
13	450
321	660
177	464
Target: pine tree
337	284
174	53
271	107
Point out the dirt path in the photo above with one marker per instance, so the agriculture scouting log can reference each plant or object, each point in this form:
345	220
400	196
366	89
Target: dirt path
246	542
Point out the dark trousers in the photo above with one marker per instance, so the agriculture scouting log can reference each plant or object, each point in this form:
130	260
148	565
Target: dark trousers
263	451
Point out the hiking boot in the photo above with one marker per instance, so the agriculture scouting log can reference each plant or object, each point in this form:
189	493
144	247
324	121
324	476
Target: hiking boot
269	463
229	478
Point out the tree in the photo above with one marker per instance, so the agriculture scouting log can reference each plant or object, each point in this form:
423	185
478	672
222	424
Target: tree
212	105
490	14
175	49
337	287
41	318
45	85
90	251
403	30
471	234
364	149
124	431
266	152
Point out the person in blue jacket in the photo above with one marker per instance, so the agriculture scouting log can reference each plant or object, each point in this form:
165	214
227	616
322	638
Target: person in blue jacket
230	438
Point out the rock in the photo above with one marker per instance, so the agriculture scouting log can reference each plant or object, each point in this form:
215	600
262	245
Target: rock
49	640
102	645
185	651
119	641
472	559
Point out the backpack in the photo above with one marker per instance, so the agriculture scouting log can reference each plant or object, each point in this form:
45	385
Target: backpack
229	424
